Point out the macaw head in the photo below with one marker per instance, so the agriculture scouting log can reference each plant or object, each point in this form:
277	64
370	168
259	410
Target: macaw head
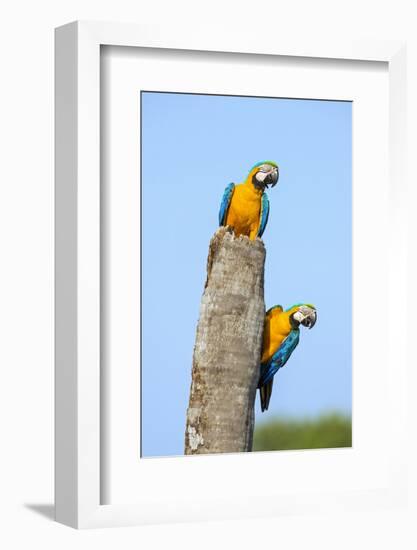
263	174
303	314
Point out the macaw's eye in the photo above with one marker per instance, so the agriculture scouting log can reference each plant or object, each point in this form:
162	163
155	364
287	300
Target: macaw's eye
265	168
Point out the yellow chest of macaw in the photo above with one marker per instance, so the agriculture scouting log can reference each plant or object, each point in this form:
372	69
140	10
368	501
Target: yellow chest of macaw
277	328
245	210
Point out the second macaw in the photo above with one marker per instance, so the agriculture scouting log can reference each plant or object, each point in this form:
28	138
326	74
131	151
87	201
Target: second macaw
245	207
281	337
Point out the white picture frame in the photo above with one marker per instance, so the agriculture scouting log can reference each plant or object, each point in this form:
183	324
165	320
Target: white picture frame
78	321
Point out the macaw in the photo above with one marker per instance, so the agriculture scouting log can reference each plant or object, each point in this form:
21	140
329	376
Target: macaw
245	207
281	337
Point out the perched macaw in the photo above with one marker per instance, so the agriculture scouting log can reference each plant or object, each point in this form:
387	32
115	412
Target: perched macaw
245	207
281	337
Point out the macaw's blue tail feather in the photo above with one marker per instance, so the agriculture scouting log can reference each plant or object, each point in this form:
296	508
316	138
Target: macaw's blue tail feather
272	366
265	393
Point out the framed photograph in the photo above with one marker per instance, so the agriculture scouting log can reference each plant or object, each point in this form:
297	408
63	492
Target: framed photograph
228	213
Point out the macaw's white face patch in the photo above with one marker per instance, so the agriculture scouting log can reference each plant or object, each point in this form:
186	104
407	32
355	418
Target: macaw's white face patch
260	176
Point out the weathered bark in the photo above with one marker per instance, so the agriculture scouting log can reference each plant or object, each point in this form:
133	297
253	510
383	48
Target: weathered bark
220	416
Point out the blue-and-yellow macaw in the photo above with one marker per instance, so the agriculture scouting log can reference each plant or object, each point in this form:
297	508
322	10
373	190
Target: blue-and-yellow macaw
281	337
245	207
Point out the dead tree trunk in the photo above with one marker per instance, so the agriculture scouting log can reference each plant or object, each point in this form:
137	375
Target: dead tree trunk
220	415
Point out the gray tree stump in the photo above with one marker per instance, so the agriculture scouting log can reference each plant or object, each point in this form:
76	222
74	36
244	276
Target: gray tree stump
225	373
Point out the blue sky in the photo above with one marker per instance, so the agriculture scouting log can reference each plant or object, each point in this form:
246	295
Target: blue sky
192	147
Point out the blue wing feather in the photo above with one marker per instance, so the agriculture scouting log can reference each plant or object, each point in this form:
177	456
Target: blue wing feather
224	206
280	357
264	214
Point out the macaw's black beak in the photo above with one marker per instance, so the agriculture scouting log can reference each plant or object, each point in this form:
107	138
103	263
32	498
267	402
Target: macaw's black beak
272	178
310	320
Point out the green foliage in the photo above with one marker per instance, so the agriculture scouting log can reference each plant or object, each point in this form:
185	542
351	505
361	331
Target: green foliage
326	431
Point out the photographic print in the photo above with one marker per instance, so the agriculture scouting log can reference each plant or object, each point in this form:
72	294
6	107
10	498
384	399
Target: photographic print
246	274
